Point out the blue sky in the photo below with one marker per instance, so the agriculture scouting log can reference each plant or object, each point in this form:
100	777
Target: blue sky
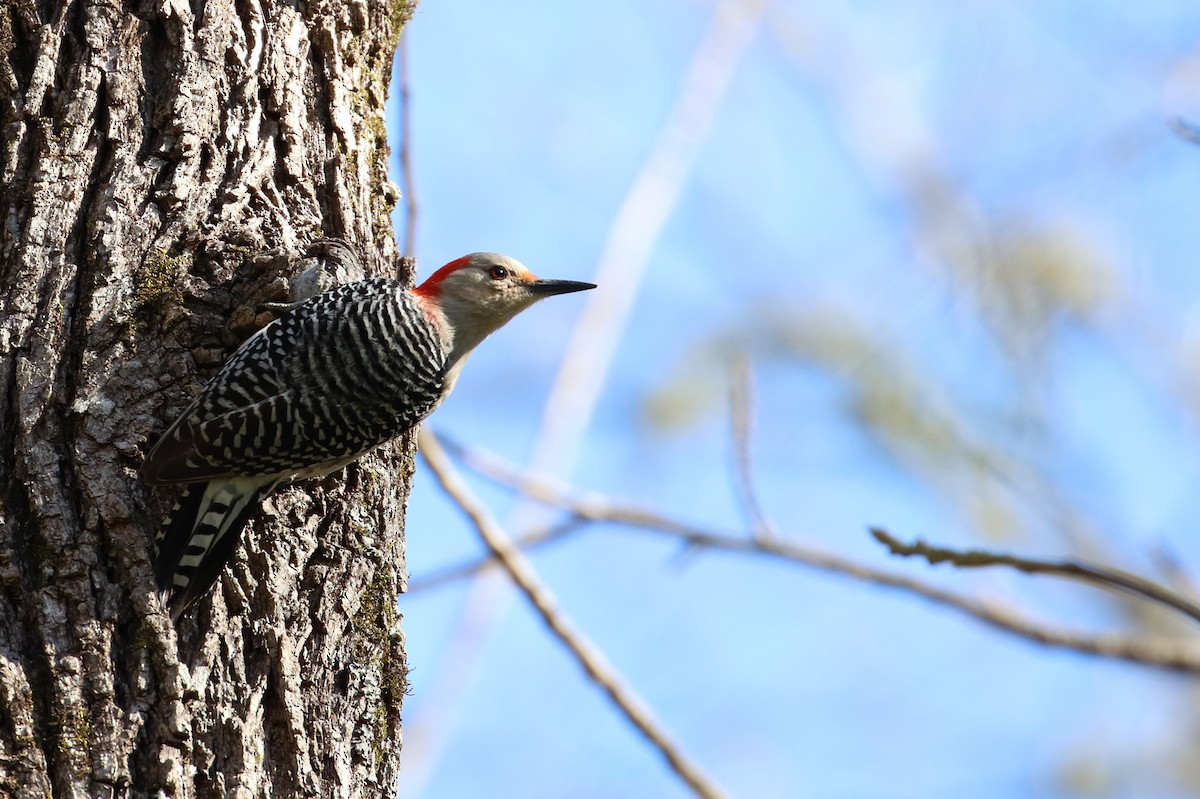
867	164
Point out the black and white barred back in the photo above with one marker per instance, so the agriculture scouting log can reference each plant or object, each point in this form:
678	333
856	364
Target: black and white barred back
312	391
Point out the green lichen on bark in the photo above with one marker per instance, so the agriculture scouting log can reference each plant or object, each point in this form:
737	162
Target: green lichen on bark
377	646
157	285
399	14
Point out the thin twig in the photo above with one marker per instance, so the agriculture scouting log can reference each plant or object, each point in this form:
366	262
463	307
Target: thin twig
408	185
1167	654
521	571
526	543
1093	574
741	417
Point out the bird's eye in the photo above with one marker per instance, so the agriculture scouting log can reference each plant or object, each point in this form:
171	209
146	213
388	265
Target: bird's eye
498	273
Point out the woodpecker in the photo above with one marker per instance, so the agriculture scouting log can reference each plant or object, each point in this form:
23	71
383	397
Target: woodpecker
316	389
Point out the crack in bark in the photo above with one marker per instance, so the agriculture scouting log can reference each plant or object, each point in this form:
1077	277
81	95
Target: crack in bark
23	542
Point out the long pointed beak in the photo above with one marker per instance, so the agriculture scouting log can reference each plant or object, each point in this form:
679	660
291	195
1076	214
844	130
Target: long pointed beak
548	287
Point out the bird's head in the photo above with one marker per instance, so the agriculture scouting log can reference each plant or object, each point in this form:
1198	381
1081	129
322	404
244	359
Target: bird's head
480	292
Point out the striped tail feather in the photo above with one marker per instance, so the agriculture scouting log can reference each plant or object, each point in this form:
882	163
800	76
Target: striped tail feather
199	535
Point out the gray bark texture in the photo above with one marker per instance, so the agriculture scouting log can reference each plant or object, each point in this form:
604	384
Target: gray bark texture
150	152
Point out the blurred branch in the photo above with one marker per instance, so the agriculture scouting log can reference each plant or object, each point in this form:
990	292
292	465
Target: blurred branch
1186	130
635	230
1160	653
407	179
1103	576
1169	564
520	570
741	414
631	238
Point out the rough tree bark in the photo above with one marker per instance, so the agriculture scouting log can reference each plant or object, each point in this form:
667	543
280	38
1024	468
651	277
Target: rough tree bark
150	150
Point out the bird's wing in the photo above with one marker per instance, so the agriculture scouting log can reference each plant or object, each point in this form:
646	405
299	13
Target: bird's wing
321	385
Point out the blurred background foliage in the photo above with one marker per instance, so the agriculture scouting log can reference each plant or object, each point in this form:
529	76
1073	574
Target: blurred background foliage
957	246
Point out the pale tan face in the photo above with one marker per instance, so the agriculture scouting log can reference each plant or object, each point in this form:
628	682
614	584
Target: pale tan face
475	295
491	286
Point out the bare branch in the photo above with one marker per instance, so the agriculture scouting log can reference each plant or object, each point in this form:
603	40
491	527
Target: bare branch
1093	574
741	417
521	571
1160	653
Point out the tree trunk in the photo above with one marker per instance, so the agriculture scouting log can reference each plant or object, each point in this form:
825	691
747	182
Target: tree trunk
150	152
